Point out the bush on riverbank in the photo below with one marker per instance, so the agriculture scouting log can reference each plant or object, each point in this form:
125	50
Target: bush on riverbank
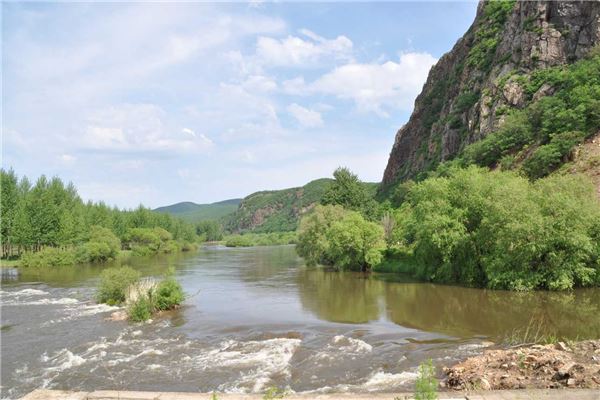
499	230
150	241
261	239
102	246
330	235
50	256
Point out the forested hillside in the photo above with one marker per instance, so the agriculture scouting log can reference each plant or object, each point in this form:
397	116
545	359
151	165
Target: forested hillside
276	210
193	212
280	210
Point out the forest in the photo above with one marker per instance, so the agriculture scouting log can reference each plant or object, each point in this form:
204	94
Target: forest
47	223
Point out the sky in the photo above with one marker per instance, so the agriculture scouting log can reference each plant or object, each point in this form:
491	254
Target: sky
156	103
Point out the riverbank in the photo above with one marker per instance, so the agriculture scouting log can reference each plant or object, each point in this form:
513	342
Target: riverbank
552	366
578	394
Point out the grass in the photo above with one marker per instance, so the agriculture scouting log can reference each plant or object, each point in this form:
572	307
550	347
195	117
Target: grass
533	333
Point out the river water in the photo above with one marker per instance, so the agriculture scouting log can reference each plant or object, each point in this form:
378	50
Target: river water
258	317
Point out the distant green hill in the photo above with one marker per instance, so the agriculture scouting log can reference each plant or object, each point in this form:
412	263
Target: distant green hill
279	210
264	211
276	210
193	212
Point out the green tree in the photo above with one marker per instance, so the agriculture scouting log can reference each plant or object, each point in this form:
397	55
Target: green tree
211	230
355	243
331	235
9	203
313	243
349	192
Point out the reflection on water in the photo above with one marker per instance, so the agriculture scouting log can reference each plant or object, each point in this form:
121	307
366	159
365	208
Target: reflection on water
355	297
341	296
258	317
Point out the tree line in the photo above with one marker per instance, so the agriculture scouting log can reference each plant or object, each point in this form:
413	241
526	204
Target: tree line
51	214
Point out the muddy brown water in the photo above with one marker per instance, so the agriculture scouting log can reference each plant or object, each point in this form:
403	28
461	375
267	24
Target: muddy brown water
258	317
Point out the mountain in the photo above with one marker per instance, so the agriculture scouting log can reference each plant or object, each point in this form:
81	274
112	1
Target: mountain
496	77
193	212
279	210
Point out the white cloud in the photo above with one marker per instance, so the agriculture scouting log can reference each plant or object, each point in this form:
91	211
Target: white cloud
373	87
259	83
295	86
138	128
67	158
188	131
306	117
296	51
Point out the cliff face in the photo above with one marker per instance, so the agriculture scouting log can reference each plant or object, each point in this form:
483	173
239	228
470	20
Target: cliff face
469	89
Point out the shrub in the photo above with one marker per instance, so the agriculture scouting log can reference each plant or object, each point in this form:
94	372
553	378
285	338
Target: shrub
239	241
549	157
260	239
93	252
146	297
170	246
105	236
114	283
140	310
168	294
142	241
499	230
188	246
48	257
426	384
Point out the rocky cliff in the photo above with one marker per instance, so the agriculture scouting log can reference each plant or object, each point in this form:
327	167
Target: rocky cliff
469	90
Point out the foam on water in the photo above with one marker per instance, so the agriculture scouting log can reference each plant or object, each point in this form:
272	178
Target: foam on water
23	292
62	360
258	362
383	380
349	344
378	381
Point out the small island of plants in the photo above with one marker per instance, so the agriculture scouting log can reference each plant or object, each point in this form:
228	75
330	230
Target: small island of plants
142	297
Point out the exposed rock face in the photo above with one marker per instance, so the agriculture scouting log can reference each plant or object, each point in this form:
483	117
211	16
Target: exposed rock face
469	88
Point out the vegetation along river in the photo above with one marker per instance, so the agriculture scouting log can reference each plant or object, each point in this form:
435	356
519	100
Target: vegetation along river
258	317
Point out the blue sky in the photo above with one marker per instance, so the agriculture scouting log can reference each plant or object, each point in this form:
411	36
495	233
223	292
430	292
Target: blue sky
158	103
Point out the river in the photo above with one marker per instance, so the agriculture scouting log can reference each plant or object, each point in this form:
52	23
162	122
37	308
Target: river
258	317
